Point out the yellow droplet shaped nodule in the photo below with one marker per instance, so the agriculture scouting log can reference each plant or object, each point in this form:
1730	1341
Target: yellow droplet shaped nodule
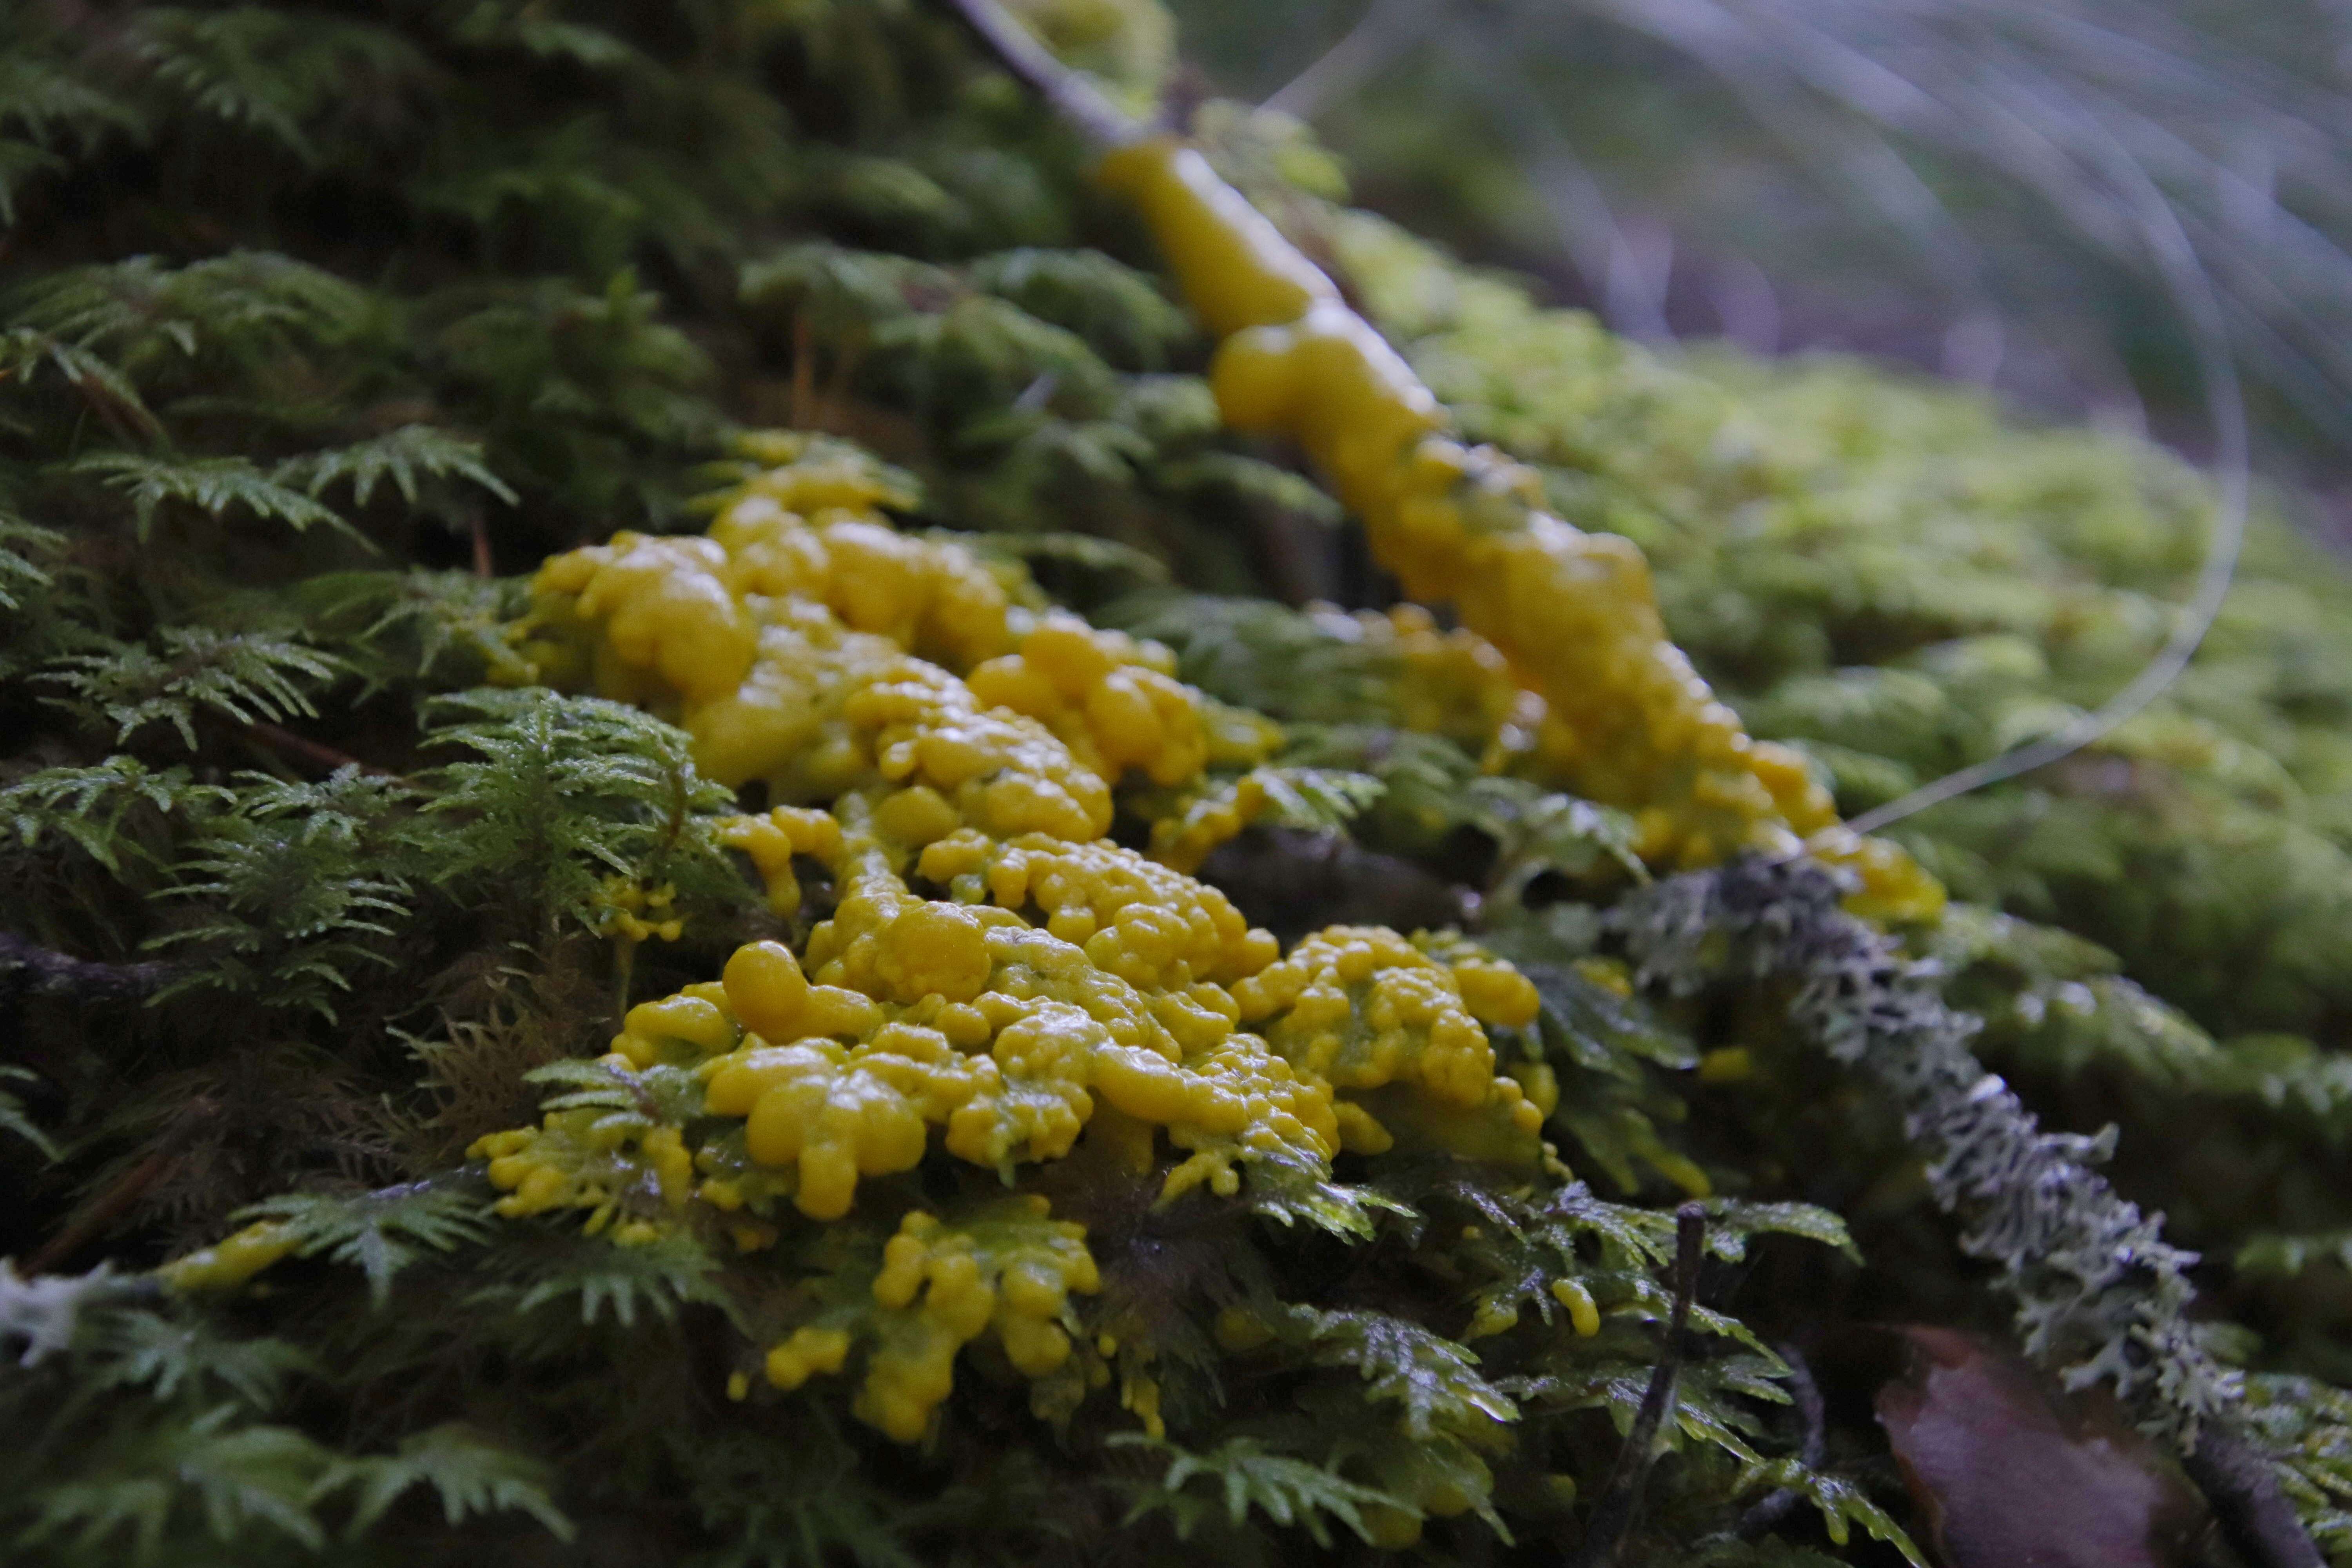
767	991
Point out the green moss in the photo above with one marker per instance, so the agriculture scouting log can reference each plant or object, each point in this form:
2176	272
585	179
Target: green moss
317	329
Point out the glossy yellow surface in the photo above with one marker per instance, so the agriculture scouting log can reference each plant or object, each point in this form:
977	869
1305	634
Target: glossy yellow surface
1237	270
1058	976
996	980
804	643
230	1262
1009	1270
1456	684
1583	1312
1396	1033
1625	719
942	1287
635	913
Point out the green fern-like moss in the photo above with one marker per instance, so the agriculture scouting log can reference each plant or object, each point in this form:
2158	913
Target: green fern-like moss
320	328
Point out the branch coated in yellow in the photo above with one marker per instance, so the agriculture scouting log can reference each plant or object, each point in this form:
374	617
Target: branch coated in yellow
1625	719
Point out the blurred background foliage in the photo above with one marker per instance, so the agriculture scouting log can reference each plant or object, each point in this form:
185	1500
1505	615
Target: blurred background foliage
1986	189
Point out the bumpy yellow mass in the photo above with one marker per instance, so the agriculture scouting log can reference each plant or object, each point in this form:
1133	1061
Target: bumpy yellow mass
996	980
1626	721
942	1287
1060	986
1396	1033
1058	975
1450	682
805	644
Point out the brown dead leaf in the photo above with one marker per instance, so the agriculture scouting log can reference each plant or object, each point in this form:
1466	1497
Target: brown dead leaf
2009	1473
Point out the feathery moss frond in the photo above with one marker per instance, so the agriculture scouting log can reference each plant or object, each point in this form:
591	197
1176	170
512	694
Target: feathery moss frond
560	794
168	1353
407	456
294	889
383	1232
467	1473
448	629
262	69
29	555
91	807
1243	1478
143	1477
653	1279
240	676
1429	1377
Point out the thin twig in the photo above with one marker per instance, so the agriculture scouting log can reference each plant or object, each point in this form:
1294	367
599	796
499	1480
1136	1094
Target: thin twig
1387	30
1075	98
2254	1514
1612	1515
280	738
28	969
103	1211
1774	1506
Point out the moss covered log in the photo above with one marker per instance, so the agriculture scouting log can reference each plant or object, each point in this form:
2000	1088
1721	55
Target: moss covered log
702	871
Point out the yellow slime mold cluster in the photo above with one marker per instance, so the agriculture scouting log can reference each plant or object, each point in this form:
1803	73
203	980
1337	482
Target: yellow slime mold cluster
1062	987
1627	721
1453	683
1058	987
942	1287
804	643
1396	1034
910	1013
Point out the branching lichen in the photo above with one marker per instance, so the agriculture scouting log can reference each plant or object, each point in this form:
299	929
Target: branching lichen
2099	1293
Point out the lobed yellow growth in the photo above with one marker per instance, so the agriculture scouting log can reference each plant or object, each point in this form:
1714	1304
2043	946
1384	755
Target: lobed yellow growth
1009	1269
1003	773
231	1261
699	1018
1120	1012
1453	683
586	1158
636	913
1152	926
809	1351
941	1287
1583	1312
812	474
1064	977
1236	269
909	1013
1626	721
1199	820
804	643
1113	700
644	620
771	841
1064	984
1396	1034
932	597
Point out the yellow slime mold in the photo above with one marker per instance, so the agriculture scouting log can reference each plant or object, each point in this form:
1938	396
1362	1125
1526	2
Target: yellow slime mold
1626	721
805	644
230	1262
1059	981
